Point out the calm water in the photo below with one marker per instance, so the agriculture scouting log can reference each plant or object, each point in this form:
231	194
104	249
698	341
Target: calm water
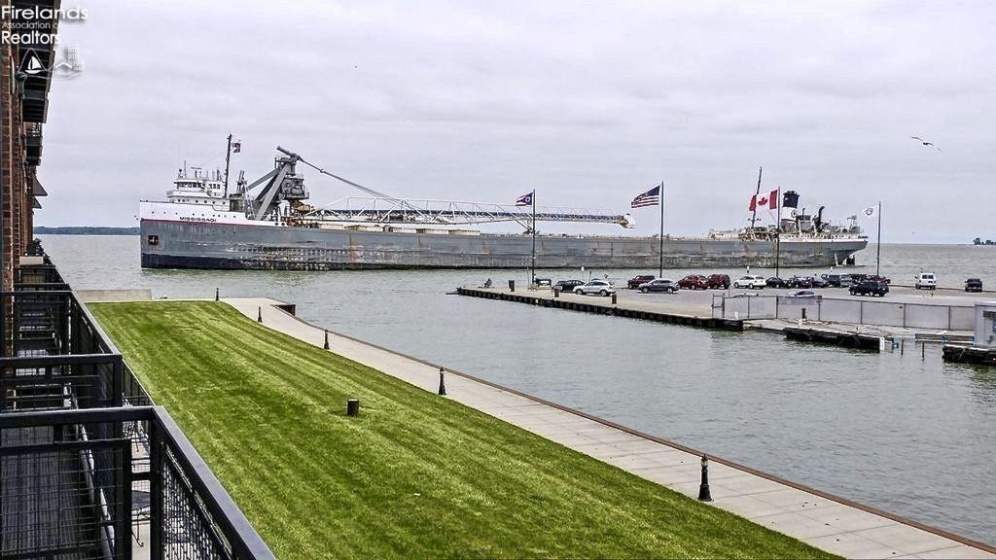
912	437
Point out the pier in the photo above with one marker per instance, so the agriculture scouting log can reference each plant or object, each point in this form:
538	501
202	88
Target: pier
605	306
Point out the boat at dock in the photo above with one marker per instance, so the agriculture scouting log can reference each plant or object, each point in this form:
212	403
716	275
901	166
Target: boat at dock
202	226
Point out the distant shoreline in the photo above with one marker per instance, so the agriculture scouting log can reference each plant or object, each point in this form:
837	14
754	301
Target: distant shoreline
85	230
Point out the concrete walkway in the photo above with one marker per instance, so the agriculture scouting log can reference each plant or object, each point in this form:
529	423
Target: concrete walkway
822	520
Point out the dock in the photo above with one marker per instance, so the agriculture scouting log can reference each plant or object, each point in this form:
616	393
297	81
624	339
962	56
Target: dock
967	354
854	340
604	306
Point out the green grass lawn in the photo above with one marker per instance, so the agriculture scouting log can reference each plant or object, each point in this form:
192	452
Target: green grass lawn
415	475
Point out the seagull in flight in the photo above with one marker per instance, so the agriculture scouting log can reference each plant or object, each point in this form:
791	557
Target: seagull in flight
925	143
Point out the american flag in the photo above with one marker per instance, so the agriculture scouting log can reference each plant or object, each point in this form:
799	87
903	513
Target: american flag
649	198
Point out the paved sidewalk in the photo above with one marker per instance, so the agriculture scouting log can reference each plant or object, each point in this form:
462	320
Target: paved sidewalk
824	521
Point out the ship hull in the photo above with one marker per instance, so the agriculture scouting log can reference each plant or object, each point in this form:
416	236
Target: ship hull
177	244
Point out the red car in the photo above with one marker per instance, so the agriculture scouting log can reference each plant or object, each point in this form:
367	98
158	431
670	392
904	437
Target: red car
634	282
694	282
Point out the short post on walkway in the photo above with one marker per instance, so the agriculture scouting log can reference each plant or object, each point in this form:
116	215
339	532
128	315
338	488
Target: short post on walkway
704	495
352	407
326	345
442	384
259	314
613	298
216	293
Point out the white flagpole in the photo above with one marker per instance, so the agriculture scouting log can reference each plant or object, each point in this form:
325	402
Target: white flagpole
533	279
661	271
878	244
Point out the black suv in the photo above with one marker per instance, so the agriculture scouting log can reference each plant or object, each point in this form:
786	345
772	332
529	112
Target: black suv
973	285
837	280
869	289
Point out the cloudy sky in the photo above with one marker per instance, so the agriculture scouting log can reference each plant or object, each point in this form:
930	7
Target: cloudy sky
590	103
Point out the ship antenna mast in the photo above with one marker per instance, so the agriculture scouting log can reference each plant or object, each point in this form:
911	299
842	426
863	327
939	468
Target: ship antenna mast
228	157
753	216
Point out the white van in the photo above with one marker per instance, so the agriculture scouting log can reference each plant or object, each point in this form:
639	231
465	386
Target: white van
925	281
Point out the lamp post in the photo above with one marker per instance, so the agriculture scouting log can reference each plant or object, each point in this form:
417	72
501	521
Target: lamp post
704	495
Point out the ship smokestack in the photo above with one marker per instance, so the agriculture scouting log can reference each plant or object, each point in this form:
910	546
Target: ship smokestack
790	209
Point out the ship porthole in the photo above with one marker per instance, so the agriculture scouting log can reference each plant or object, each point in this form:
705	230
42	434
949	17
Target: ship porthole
153	240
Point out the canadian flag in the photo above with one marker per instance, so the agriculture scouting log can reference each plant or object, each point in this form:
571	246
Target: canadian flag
760	201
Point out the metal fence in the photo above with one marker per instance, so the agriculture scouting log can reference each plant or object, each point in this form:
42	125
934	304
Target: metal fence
88	469
98	483
854	311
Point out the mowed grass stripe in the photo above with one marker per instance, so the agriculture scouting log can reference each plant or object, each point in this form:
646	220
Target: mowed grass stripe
415	475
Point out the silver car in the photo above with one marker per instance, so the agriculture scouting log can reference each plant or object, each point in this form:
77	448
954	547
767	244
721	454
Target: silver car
600	287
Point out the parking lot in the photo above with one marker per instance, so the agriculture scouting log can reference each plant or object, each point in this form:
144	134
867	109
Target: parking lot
699	302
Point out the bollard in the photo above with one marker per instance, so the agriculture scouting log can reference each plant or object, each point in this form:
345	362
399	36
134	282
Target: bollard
803	313
511	285
216	294
923	351
902	347
613	298
326	345
259	314
704	495
352	407
442	384
556	292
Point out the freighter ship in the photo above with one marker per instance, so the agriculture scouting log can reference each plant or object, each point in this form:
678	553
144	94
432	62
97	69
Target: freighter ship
203	226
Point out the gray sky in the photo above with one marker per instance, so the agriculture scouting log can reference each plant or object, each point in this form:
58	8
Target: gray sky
590	103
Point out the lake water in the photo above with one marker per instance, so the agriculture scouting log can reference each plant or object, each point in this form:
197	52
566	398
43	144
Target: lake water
913	437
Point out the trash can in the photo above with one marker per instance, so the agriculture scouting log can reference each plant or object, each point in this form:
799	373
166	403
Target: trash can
511	285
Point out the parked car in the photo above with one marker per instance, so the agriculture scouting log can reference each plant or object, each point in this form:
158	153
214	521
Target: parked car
858	277
816	282
750	281
776	282
693	282
567	285
718	281
635	281
837	280
542	281
800	282
803	293
659	285
869	289
600	287
973	285
877	278
925	281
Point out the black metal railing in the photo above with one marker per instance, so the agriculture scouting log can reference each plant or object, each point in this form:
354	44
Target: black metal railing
110	473
88	468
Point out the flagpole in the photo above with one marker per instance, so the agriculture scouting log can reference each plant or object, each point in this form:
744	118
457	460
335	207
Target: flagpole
228	157
533	279
753	215
778	233
878	244
661	271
